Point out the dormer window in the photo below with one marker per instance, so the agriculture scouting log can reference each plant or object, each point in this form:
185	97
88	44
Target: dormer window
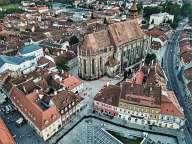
53	116
46	122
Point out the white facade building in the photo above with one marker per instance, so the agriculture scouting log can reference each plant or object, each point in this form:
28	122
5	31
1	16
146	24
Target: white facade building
32	50
157	19
18	64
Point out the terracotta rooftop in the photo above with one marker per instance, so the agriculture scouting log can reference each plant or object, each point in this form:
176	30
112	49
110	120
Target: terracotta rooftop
145	95
134	6
96	41
188	73
186	57
189	86
155	32
115	35
5	135
65	98
124	32
152	74
139	77
170	105
109	95
29	104
71	82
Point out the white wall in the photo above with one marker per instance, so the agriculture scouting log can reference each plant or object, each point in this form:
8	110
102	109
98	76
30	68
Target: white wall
24	67
37	54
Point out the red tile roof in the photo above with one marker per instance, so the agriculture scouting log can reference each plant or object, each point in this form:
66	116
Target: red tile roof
42	118
115	35
185	48
188	73
186	57
71	82
189	86
65	98
155	33
170	105
109	95
5	135
145	95
139	77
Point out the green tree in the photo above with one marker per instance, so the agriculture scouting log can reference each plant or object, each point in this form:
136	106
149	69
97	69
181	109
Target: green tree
139	7
61	65
73	40
4	2
67	1
149	58
186	11
151	10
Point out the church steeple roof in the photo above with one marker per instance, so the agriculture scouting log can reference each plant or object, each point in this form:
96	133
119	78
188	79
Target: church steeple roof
134	6
133	10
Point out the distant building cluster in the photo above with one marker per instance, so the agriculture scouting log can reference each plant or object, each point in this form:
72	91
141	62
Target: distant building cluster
45	52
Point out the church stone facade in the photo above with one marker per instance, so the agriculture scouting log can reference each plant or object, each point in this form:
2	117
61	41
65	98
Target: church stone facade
120	47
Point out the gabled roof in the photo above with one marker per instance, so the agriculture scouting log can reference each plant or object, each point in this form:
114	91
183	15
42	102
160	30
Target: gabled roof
5	135
170	105
65	98
96	41
124	32
29	49
144	95
72	82
116	34
188	73
109	95
28	104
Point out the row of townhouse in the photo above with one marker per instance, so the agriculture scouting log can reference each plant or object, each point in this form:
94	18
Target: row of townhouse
184	62
45	101
144	110
185	59
143	100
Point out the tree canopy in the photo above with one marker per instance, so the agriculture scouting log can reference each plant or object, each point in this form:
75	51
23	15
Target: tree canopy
61	65
186	10
149	58
4	2
73	40
168	7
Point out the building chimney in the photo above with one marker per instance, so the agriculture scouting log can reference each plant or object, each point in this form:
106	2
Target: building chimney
40	96
24	89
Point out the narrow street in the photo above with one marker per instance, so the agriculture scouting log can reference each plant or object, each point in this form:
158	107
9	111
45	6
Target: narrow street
175	85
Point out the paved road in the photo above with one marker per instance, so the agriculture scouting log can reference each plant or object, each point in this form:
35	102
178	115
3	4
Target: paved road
175	85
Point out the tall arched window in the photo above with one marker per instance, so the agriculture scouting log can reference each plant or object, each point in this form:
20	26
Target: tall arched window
84	65
93	66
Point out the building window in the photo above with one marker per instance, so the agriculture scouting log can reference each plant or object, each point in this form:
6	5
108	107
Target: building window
84	64
93	66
